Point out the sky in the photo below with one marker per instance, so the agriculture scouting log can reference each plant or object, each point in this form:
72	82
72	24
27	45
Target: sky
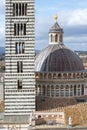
72	17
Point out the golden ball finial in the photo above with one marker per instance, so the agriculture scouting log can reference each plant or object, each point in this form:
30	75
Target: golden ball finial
56	17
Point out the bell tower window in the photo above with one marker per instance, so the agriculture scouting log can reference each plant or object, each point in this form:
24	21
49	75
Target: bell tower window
19	84
19	9
19	49
19	29
19	66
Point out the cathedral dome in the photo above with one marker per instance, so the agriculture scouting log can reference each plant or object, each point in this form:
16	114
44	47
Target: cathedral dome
56	58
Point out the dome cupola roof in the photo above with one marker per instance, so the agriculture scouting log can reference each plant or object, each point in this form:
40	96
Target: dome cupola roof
56	29
56	58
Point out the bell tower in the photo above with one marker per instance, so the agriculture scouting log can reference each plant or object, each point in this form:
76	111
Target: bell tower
19	59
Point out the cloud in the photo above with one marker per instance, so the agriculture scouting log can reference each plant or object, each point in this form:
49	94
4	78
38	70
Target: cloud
77	46
78	17
2	36
2	3
76	39
1	30
79	30
40	44
74	17
74	23
2	7
42	27
76	42
2	22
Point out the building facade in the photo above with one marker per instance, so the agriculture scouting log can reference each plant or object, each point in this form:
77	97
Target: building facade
61	81
19	59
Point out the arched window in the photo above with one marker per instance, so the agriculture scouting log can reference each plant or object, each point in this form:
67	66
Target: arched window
59	75
60	38
74	90
44	91
56	37
82	89
51	38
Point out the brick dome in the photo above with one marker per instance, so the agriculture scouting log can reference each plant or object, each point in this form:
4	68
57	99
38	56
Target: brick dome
56	58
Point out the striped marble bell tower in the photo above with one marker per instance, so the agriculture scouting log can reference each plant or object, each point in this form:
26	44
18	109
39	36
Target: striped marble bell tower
19	57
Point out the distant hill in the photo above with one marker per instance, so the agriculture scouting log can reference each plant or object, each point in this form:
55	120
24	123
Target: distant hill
81	52
2	50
